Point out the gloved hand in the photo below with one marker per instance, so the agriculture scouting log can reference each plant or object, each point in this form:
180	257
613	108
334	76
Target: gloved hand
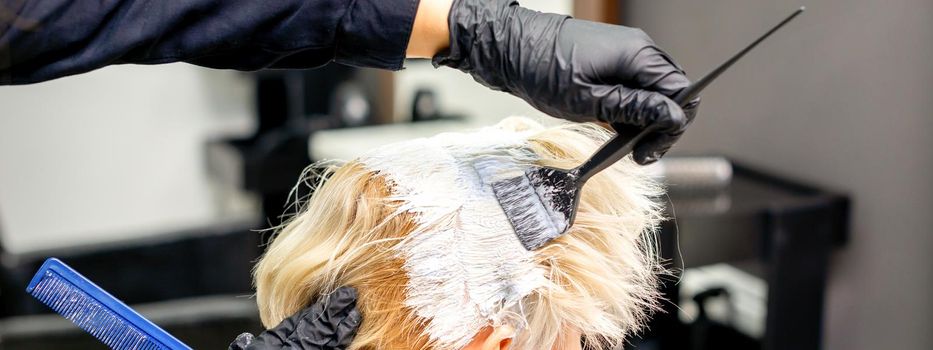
329	324
572	69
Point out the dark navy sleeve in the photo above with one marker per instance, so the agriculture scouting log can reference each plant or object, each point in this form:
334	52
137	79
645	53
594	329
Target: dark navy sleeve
47	39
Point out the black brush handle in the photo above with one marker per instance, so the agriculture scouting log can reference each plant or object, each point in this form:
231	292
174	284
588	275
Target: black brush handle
627	136
694	89
625	139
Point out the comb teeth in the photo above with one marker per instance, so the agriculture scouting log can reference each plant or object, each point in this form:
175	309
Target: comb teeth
90	315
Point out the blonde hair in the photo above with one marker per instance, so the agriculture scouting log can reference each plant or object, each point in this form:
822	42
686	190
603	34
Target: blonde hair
602	275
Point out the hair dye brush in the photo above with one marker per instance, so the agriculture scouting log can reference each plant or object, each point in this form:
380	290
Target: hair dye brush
542	203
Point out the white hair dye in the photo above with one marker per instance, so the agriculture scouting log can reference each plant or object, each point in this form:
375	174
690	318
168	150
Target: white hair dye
466	267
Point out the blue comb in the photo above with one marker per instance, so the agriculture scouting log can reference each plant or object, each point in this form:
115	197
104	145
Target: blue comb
96	311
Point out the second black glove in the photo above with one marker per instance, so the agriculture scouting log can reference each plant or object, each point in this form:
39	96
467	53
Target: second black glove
329	324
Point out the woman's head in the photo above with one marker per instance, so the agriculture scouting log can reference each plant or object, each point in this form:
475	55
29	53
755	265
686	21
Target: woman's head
435	261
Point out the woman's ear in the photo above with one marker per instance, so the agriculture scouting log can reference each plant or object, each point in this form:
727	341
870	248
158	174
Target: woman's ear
492	338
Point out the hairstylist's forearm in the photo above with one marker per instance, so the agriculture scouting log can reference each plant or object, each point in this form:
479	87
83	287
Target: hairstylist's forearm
430	33
46	39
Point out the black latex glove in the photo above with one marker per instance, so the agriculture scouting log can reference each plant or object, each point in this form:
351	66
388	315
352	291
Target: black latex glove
329	324
571	69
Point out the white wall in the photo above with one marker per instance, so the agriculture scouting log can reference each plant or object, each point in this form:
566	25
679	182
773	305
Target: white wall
114	154
842	98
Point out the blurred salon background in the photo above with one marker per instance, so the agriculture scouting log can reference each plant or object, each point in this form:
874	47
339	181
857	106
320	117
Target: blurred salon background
800	198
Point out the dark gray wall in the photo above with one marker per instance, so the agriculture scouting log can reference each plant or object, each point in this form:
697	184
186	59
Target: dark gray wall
841	98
